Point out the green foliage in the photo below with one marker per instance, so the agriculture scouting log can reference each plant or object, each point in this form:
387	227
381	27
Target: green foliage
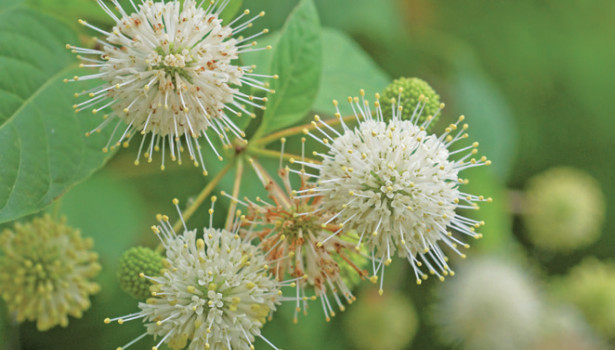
335	82
231	10
297	60
45	150
342	77
490	119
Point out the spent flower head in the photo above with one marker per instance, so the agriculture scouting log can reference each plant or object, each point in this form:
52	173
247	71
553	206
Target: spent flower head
565	209
214	293
46	272
397	186
293	231
170	73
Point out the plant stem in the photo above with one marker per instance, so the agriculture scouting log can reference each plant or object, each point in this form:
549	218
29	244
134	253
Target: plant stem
231	210
296	131
276	155
203	195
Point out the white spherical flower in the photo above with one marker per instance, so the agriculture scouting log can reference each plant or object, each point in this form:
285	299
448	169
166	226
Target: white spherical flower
215	292
398	186
493	306
170	70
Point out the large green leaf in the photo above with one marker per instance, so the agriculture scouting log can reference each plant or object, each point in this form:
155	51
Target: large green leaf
297	59
340	77
231	10
43	143
490	118
346	69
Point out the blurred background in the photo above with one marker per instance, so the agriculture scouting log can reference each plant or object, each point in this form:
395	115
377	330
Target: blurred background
536	81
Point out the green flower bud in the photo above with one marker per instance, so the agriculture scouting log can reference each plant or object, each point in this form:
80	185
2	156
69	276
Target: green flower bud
590	287
135	264
411	91
564	211
387	322
45	272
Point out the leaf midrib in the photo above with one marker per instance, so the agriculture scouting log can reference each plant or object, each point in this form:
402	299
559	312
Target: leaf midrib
48	82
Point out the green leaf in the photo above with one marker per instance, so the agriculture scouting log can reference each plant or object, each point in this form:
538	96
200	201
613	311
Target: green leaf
346	69
298	61
490	119
43	143
497	232
72	10
231	10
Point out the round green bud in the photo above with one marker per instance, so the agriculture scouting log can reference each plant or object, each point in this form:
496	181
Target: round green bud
135	266
46	272
409	91
386	322
564	210
590	287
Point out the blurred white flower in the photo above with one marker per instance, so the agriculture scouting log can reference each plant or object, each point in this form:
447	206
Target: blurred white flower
563	328
492	305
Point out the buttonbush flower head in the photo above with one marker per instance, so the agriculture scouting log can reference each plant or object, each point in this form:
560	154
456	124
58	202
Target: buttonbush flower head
565	209
214	293
398	186
492	305
46	271
590	287
294	231
135	261
408	93
389	322
170	71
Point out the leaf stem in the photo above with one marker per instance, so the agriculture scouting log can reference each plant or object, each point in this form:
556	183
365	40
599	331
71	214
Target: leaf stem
296	131
257	151
202	196
236	185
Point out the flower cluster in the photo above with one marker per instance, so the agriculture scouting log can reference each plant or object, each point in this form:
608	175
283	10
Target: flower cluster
294	232
169	72
214	293
46	272
396	185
